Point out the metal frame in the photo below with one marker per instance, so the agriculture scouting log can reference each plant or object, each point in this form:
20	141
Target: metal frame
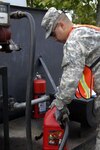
3	73
48	74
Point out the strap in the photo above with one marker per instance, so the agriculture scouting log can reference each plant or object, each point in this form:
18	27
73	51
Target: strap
88	26
95	63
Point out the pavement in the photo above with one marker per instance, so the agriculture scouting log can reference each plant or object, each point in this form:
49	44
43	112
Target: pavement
79	139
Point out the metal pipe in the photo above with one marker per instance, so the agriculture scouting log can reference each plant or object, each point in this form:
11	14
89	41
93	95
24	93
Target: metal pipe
33	102
65	137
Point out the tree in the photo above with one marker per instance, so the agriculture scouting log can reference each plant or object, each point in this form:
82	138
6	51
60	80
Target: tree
84	11
98	14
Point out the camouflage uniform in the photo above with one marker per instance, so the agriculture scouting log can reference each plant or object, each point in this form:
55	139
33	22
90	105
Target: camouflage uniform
81	48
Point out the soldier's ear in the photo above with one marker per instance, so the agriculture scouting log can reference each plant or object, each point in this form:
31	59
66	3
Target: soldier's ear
61	23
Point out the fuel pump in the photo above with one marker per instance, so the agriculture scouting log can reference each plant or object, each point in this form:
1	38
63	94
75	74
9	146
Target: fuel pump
6	43
5	33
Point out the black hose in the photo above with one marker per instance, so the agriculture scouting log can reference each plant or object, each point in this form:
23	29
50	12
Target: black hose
18	15
65	136
30	79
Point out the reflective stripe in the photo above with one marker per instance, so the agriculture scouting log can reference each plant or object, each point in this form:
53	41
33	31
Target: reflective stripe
85	86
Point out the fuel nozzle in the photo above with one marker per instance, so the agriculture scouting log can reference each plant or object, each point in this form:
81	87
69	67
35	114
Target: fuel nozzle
13	46
6	43
9	47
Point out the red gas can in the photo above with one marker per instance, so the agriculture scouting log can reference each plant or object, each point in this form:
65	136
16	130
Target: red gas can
39	90
53	133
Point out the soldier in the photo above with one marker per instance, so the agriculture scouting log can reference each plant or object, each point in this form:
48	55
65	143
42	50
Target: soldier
81	47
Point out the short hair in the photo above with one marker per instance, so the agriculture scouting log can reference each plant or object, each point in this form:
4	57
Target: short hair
63	17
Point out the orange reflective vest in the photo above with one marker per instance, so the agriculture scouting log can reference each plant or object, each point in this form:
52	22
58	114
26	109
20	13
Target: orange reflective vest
86	83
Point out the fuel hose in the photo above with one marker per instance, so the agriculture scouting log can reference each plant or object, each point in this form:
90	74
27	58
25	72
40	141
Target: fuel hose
19	15
65	137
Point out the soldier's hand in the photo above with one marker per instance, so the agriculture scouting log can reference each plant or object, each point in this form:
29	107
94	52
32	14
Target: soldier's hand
58	103
62	116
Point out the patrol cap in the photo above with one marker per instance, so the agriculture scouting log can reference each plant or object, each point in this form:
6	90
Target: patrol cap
49	20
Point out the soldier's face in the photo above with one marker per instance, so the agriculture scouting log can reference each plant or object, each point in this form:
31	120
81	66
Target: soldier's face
59	33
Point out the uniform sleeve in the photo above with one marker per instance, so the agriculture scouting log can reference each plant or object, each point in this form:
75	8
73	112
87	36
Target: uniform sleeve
73	64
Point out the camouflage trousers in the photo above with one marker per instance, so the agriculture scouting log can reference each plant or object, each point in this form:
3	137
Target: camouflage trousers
97	146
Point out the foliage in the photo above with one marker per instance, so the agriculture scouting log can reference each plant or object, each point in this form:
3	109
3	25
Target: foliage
84	11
